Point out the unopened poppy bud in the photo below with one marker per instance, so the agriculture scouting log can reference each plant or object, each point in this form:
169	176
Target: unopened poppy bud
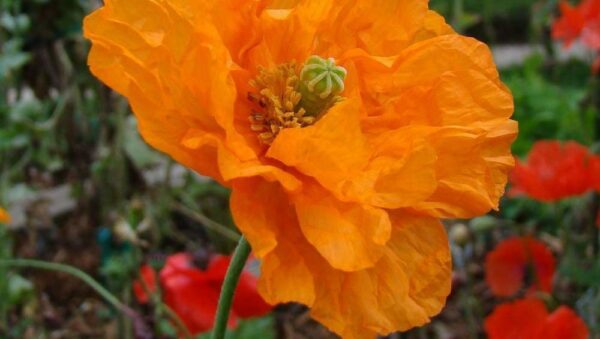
321	81
460	234
483	224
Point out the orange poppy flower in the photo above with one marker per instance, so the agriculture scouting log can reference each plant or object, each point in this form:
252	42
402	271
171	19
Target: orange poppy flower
4	216
345	129
529	319
507	264
554	171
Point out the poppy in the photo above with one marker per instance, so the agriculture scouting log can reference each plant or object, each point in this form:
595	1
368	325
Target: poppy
554	170
146	284
4	216
581	21
529	319
508	264
346	129
193	294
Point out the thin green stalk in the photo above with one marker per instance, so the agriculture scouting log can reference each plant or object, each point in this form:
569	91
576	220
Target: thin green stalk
161	307
139	326
232	277
50	266
177	320
457	15
207	222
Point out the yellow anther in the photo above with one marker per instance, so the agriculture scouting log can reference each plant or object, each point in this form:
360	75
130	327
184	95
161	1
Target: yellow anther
287	97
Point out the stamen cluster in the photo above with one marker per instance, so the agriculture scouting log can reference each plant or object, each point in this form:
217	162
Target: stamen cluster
277	100
290	97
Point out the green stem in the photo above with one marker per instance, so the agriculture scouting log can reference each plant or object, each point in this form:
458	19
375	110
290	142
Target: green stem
50	266
138	326
232	277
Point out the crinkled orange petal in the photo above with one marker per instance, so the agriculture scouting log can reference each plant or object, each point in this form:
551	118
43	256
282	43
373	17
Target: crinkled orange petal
563	323
469	181
301	22
259	208
448	81
433	25
380	27
506	265
147	50
521	319
239	25
4	216
335	143
286	273
155	55
398	173
404	289
434	69
257	33
349	236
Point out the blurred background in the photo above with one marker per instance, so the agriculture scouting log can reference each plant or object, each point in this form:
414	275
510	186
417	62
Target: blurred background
84	190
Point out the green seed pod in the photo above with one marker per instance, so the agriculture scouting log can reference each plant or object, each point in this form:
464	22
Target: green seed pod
321	82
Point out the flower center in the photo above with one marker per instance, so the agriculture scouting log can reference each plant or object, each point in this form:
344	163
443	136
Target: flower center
291	97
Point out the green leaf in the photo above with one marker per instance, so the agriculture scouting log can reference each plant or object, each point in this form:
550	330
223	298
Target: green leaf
19	289
136	149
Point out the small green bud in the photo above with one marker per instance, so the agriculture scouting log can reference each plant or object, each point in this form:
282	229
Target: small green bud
459	233
484	224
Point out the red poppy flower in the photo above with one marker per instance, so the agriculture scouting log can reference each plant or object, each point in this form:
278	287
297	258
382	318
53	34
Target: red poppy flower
554	171
563	323
193	294
581	21
570	25
590	34
506	265
146	285
529	319
578	21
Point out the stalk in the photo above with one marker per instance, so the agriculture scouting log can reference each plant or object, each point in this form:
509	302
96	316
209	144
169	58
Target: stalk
232	277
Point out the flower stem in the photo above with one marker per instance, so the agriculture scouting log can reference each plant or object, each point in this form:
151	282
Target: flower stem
50	266
140	327
232	277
